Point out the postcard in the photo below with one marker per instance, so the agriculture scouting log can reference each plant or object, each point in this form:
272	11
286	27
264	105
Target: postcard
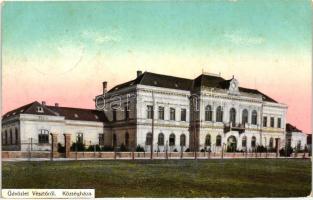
156	99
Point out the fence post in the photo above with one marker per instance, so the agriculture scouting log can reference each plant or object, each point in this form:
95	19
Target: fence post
222	151
133	154
181	152
67	143
54	145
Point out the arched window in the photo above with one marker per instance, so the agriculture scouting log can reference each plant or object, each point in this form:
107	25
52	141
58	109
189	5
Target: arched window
182	140
245	116
232	115
253	141
208	113
244	141
271	143
126	139
218	140
172	140
114	140
5	137
149	139
208	140
299	145
254	117
219	114
16	136
11	136
161	139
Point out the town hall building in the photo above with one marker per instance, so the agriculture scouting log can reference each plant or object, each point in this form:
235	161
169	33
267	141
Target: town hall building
160	112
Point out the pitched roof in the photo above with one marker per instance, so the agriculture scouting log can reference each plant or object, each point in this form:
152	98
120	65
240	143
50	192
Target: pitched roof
79	114
67	112
291	128
157	80
172	82
30	108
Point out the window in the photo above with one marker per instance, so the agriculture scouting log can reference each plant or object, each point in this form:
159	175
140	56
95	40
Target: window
208	140
279	123
7	137
126	139
80	138
114	140
126	113
11	136
161	139
253	141
40	109
149	139
149	112
264	121
219	114
245	116
244	141
232	115
16	136
299	145
43	137
183	114
218	140
208	113
101	139
172	140
272	122
271	143
182	140
3	138
172	114
254	117
161	112
114	114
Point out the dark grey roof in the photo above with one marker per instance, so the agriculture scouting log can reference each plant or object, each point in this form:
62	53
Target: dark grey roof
172	82
291	128
69	113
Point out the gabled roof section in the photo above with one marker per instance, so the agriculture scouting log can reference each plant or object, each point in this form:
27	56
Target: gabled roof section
79	114
31	108
253	91
291	128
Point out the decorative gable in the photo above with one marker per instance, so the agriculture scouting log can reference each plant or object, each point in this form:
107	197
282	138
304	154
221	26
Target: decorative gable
233	87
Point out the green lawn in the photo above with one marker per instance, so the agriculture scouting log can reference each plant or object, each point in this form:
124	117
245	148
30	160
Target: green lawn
167	178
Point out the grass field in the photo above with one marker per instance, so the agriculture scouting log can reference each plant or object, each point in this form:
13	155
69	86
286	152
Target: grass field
167	178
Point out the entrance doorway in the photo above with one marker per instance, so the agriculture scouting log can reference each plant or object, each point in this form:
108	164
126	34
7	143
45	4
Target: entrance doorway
231	144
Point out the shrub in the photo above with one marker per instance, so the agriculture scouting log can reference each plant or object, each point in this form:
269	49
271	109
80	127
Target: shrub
61	149
282	151
175	150
261	149
78	146
202	150
187	150
140	149
123	147
92	148
107	148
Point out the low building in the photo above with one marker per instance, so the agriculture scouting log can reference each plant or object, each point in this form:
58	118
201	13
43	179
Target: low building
295	137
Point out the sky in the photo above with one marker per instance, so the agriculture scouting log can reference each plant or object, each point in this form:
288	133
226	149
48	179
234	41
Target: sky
63	51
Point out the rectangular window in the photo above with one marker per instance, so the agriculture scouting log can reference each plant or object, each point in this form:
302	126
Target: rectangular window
161	112
172	114
80	138
264	121
149	112
272	122
183	114
279	123
101	139
43	137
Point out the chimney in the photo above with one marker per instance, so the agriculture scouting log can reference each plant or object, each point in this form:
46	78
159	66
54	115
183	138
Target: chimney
139	72
56	104
43	103
104	85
